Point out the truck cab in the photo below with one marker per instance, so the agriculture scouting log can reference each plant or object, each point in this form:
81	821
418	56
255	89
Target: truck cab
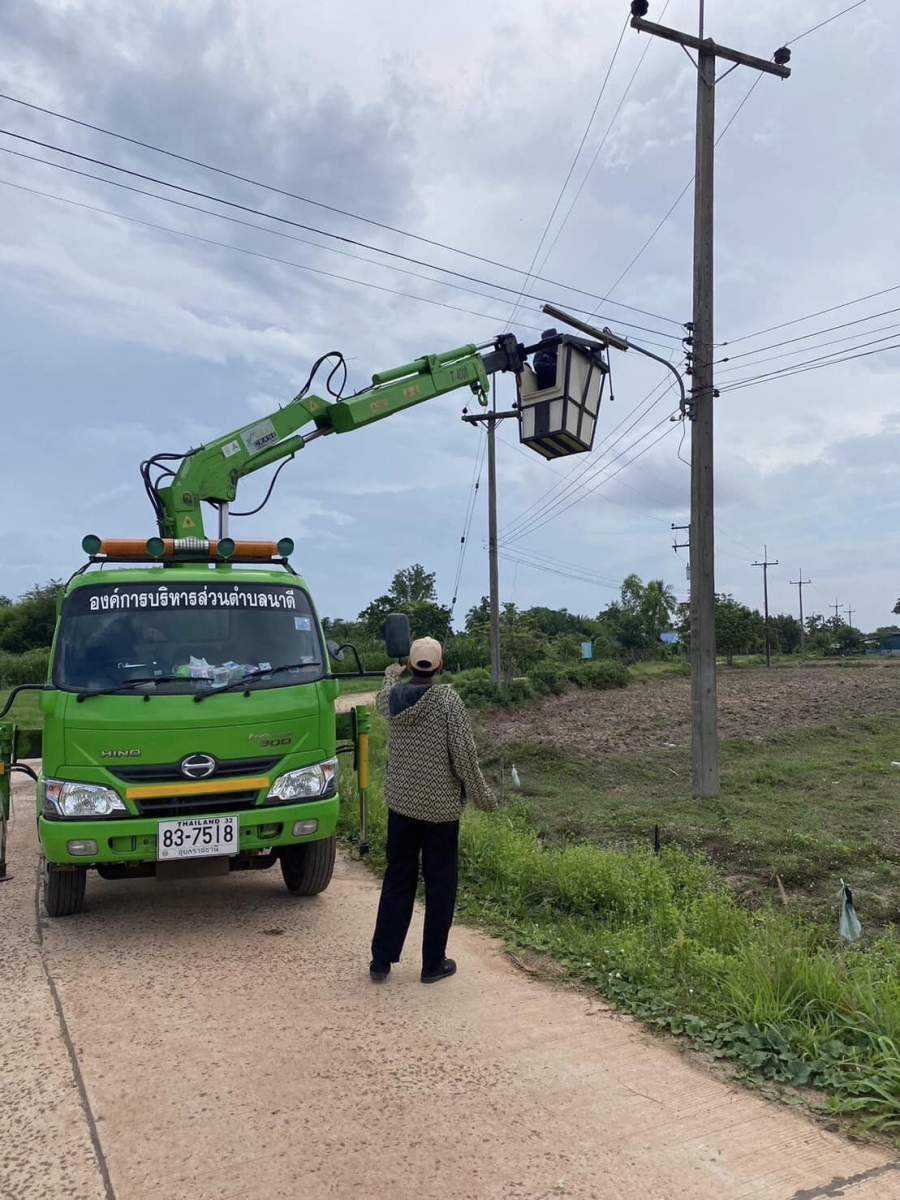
189	729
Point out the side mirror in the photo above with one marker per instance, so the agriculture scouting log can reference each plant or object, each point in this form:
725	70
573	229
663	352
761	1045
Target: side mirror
335	651
396	635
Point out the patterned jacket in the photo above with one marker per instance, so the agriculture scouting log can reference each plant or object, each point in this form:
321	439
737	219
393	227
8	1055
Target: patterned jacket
432	767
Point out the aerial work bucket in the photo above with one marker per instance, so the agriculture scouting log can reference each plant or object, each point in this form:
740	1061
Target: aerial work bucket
559	398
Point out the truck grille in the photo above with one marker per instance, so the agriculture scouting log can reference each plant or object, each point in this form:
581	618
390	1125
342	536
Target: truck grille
228	768
197	806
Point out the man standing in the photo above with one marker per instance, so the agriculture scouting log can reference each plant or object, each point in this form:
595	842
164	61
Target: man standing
432	770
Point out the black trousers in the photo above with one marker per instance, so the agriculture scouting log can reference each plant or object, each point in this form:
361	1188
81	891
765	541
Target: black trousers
438	844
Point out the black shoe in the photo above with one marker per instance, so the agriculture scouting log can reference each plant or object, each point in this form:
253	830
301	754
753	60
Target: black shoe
379	971
444	971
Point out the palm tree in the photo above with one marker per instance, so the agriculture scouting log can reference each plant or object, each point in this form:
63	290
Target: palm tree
658	605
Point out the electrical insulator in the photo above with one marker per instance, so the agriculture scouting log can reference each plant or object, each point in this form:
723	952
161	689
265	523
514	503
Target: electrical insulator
782	56
639	8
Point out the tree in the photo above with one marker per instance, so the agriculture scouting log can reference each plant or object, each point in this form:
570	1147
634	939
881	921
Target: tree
641	615
522	645
413	592
733	627
785	633
896	608
29	623
479	614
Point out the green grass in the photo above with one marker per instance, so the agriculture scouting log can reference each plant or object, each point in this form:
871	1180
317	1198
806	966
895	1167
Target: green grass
356	687
663	937
25	710
809	805
653	670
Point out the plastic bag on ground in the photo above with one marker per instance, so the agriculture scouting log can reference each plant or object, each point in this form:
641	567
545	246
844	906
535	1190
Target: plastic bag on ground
850	926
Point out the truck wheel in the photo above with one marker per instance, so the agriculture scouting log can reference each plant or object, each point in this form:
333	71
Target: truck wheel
307	868
63	890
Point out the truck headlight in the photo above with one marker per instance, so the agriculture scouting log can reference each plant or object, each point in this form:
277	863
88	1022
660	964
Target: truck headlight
62	798
315	782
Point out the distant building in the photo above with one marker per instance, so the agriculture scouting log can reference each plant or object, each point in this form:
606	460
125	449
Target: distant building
890	644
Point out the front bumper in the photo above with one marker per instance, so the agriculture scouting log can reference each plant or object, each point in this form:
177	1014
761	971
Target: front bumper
133	839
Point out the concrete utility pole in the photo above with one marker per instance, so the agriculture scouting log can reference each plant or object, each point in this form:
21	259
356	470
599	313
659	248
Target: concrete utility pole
837	607
800	584
765	564
491	417
704	727
850	612
492	548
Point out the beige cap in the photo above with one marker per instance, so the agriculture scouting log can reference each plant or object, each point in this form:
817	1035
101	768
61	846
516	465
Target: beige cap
425	656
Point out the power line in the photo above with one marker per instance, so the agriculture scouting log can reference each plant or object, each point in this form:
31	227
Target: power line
678	198
816	346
827	21
470	513
523	523
609	499
562	190
282	220
681	194
802	368
540	556
285	262
294	196
603	142
209	212
571	479
577	575
551	515
809	316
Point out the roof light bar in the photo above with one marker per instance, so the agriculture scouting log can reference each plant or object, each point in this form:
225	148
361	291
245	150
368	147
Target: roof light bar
157	548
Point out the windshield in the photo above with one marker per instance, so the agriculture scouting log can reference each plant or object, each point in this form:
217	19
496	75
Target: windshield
190	637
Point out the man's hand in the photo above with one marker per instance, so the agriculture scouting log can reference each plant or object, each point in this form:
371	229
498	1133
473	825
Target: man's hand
394	669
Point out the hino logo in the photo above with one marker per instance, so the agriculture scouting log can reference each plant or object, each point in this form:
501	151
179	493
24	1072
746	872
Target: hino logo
120	754
198	766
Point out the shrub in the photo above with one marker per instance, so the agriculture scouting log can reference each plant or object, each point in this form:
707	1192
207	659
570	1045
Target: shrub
549	680
29	667
604	674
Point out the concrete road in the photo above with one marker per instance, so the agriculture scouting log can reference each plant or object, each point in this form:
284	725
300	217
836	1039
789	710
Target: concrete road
222	1040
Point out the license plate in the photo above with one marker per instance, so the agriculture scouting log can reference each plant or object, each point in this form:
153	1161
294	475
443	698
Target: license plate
197	837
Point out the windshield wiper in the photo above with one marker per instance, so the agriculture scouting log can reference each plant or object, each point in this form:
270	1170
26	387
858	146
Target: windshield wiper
131	683
237	684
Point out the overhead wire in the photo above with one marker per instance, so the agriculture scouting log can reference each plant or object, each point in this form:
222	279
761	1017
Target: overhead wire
572	165
285	262
580	470
470	514
576	481
609	499
681	194
233	204
815	364
551	515
127	187
805	349
810	316
677	200
557	571
303	199
599	149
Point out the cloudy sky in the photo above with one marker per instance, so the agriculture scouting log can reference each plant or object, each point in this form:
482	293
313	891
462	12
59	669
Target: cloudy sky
457	123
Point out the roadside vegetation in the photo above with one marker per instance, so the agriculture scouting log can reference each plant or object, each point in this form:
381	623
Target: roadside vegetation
663	936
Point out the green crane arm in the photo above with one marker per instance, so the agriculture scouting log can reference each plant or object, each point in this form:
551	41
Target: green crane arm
211	473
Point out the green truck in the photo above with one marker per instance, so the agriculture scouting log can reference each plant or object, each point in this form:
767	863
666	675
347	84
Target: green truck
189	714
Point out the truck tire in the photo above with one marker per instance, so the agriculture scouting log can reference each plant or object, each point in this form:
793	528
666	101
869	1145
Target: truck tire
307	868
63	890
